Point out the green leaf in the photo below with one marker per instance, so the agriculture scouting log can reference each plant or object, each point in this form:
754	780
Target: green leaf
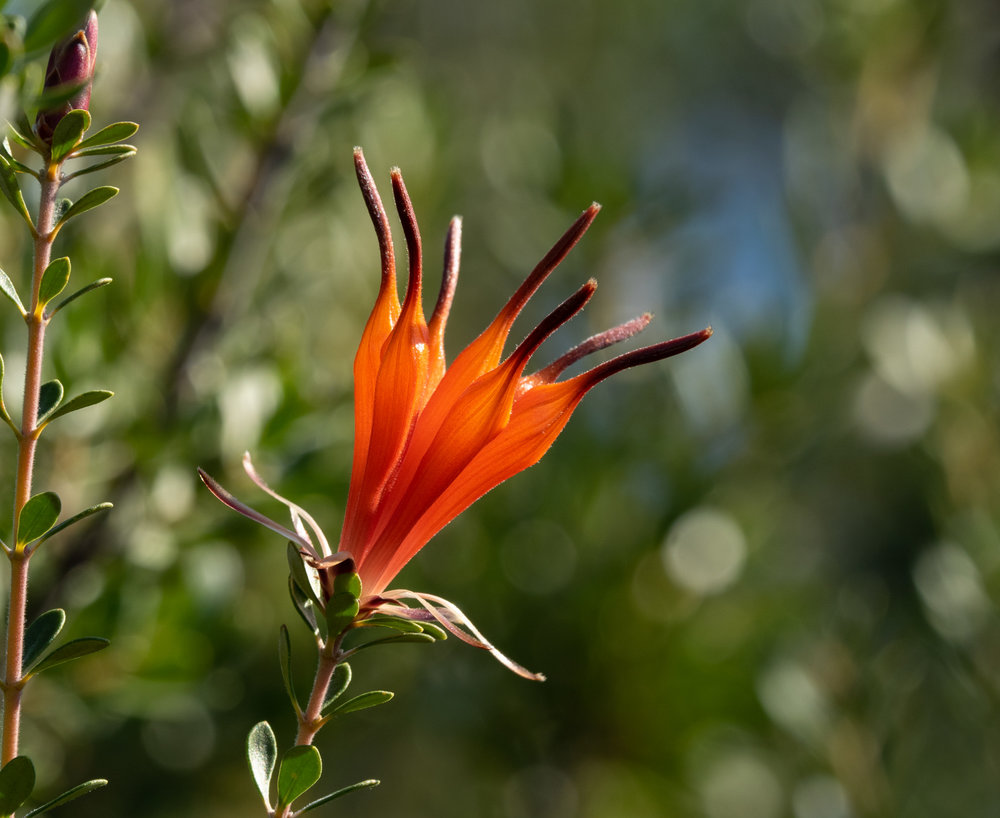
54	280
394	622
4	414
68	133
373	698
425	638
17	780
100	165
38	516
54	21
339	683
10	291
101	282
50	394
12	190
104	150
303	606
88	201
340	611
20	135
285	658
74	649
69	795
300	769
82	401
347	583
262	753
75	519
109	134
41	633
361	785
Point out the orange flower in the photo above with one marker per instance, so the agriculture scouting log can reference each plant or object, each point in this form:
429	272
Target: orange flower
430	439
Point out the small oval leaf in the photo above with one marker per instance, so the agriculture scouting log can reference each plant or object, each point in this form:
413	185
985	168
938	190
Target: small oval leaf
339	683
262	753
74	649
69	795
68	133
110	134
54	280
40	634
50	394
88	201
38	516
341	608
17	780
300	769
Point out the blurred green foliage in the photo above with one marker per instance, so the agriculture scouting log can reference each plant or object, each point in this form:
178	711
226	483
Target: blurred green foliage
762	578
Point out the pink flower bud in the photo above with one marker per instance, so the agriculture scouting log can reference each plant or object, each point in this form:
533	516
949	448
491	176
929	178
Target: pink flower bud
71	65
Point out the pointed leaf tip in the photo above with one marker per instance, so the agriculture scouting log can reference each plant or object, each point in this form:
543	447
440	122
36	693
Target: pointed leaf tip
69	795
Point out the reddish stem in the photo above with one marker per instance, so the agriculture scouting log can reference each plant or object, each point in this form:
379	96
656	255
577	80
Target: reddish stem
13	683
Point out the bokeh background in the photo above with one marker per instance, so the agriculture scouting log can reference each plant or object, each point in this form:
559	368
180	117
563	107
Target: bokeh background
761	578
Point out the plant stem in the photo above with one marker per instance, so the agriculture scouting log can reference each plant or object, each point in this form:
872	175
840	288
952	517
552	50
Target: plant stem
13	683
310	719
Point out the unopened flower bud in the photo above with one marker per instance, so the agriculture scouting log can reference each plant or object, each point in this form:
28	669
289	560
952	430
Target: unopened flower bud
71	65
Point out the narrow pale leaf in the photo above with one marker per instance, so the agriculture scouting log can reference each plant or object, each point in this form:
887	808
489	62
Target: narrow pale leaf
50	394
68	133
40	634
69	795
82	401
109	134
17	780
88	201
38	516
101	282
300	769
54	280
303	606
114	160
81	515
372	698
262	753
10	291
74	649
104	150
285	659
361	785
